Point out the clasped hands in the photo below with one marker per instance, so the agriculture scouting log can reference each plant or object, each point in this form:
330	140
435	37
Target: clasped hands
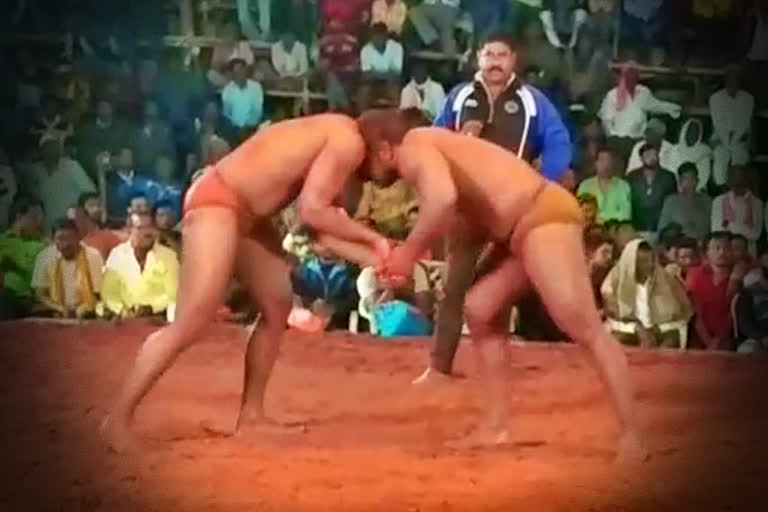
395	263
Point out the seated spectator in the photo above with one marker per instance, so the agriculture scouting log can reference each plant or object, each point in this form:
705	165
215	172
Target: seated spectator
686	257
731	110
712	286
562	20
613	195
153	138
643	23
163	185
210	123
588	204
242	100
588	75
644	305
654	135
120	183
600	258
391	13
650	186
691	149
602	22
19	247
227	49
67	275
743	261
51	121
435	20
625	109
590	141
688	208
57	180
340	60
752	310
391	210
487	16
422	92
140	275
738	210
88	216
168	228
290	60
381	61
103	134
622	232
547	60
8	188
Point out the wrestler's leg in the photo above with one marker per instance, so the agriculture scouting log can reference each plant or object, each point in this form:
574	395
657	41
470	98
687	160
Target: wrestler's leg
553	257
261	269
203	281
487	308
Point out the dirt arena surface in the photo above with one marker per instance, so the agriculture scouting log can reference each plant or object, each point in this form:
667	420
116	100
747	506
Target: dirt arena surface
373	443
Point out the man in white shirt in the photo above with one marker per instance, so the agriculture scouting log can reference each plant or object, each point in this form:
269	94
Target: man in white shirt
290	60
731	109
422	92
67	274
624	111
243	99
738	211
382	63
654	135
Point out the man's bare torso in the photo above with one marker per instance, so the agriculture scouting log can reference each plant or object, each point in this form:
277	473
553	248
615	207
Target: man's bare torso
495	188
268	170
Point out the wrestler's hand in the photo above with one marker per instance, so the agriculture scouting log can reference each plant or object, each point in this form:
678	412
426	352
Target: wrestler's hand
383	249
398	267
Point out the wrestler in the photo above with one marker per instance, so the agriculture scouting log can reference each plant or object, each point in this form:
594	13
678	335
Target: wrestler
536	229
226	232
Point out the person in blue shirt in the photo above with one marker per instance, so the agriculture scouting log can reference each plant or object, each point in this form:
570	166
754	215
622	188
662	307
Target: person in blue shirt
162	185
120	183
497	106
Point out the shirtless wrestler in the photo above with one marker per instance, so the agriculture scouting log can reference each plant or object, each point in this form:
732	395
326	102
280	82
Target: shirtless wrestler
226	232
536	230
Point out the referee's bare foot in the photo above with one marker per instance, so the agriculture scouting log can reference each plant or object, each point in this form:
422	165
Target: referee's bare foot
118	436
432	377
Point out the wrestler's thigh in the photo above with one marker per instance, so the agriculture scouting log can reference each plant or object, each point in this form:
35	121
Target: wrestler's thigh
490	298
554	261
262	268
209	244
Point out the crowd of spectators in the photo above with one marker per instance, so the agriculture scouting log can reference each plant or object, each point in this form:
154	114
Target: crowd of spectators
106	130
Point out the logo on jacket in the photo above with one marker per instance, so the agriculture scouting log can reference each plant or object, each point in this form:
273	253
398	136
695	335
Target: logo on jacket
511	107
471	103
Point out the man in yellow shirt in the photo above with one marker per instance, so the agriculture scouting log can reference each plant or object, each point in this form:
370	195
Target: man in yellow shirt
141	276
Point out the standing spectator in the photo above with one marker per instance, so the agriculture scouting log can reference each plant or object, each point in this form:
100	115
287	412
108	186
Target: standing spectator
243	100
391	13
588	75
227	49
140	275
691	149
382	63
57	180
654	135
688	208
340	60
731	109
614	197
712	286
497	107
163	186
153	138
290	60
89	219
435	20
19	247
67	274
105	133
119	183
422	92
8	188
625	108
738	210
547	61
562	20
352	15
650	185
644	304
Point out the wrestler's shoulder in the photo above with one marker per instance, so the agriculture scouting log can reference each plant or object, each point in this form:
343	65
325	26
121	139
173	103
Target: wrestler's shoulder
426	134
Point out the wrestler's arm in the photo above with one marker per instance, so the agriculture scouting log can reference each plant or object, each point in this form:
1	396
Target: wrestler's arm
324	184
425	167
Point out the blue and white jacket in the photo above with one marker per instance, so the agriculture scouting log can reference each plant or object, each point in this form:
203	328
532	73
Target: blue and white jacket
521	120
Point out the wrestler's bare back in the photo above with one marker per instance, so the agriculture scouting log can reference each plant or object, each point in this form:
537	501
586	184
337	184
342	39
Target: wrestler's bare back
494	187
268	170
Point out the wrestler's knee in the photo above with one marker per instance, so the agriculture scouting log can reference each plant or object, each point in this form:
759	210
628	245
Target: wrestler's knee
276	310
479	315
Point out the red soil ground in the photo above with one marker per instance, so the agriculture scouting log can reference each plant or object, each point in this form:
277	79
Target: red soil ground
373	443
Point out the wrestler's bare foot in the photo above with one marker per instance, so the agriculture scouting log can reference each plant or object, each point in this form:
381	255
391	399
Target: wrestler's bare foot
432	377
632	449
119	436
482	437
253	426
